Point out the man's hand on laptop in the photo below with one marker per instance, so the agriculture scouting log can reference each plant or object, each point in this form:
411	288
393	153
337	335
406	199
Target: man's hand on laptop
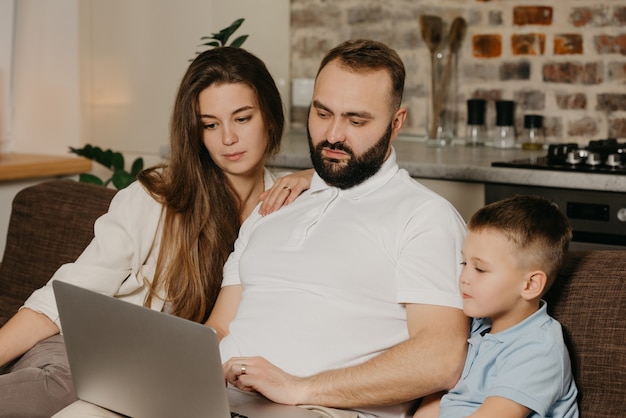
256	374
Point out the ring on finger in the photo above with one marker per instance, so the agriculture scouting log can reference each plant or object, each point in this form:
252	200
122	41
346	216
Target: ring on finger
287	188
243	369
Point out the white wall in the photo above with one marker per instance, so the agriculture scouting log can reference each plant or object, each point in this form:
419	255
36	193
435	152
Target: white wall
141	49
135	53
46	91
7	13
106	71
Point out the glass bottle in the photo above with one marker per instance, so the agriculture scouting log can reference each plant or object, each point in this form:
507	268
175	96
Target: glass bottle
532	136
504	136
476	130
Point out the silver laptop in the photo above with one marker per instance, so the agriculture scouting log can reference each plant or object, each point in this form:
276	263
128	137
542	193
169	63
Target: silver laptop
143	363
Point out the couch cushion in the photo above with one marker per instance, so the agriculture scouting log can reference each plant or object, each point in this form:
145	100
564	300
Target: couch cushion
51	223
589	299
8	306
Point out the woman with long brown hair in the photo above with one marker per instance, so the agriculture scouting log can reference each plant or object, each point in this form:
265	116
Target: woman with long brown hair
165	238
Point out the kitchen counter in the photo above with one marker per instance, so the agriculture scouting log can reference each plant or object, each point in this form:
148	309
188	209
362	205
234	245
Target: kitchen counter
463	164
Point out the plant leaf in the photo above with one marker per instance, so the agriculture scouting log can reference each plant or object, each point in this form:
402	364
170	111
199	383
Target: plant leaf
227	32
117	161
87	151
234	26
114	161
220	39
239	41
96	154
90	178
103	157
136	167
121	179
76	151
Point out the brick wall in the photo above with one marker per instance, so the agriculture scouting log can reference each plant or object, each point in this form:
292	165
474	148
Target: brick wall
564	59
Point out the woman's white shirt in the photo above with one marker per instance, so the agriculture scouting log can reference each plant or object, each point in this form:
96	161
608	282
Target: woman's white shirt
121	259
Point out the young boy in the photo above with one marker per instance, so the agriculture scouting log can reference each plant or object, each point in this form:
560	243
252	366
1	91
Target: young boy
517	363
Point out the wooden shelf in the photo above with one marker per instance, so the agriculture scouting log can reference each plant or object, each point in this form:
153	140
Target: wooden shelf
14	166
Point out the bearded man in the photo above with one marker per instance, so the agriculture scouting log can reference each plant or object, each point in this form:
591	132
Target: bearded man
346	300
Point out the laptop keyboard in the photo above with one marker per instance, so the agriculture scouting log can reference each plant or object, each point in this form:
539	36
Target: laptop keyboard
236	415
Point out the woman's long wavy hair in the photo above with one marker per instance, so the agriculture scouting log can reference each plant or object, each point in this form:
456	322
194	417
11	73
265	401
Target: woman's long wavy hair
202	210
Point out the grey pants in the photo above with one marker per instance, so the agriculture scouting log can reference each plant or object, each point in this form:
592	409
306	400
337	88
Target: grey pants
39	383
82	409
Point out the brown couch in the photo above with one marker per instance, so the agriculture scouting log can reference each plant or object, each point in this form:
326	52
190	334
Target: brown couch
52	222
50	225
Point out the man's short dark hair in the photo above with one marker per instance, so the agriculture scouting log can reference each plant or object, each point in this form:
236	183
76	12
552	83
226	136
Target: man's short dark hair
368	55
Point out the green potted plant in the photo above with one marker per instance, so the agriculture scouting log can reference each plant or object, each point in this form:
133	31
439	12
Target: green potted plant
221	38
114	161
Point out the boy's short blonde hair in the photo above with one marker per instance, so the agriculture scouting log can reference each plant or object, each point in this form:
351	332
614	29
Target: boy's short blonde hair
535	225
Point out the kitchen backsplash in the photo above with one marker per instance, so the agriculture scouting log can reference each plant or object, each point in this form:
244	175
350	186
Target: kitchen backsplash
563	59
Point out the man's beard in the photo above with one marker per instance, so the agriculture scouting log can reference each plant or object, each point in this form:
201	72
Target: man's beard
354	171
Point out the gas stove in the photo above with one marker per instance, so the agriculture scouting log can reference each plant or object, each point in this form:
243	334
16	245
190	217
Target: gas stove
604	156
597	217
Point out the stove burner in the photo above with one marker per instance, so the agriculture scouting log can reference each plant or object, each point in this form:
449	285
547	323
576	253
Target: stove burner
606	156
614	160
573	158
593	159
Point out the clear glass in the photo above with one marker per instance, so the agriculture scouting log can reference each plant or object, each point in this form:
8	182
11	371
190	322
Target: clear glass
441	119
533	139
504	137
475	135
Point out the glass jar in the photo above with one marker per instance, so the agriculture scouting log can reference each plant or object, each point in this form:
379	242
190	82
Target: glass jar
504	136
476	130
532	136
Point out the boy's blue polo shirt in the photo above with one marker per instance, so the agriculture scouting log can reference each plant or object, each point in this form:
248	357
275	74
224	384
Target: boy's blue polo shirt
528	364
